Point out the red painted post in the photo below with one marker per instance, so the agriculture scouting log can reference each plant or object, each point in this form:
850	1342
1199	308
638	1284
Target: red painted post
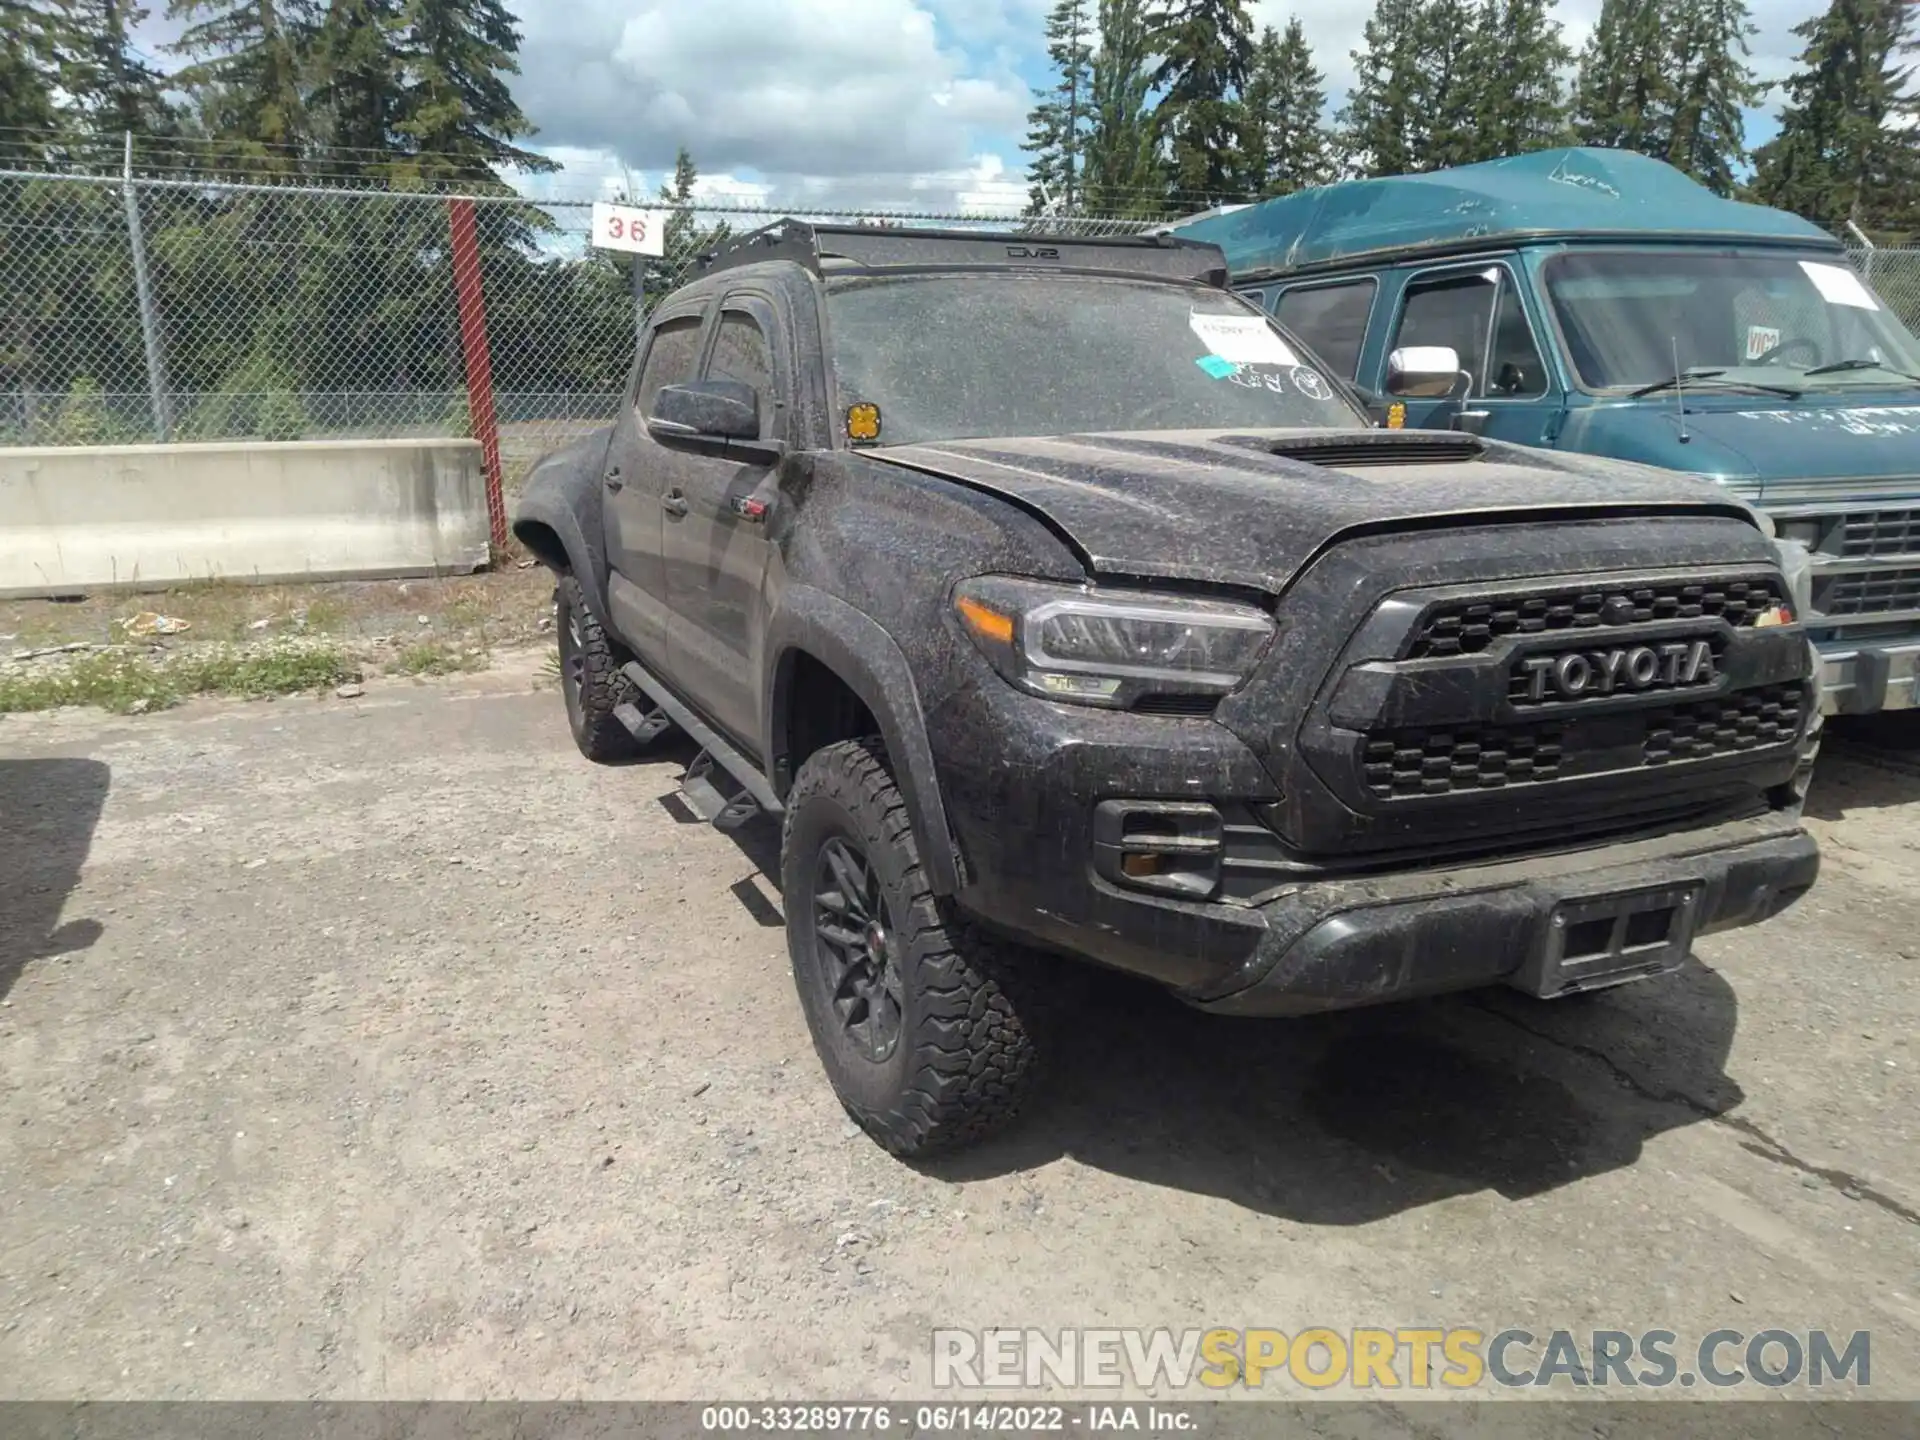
472	301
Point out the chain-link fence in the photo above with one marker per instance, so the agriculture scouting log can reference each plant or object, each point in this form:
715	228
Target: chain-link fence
140	310
176	310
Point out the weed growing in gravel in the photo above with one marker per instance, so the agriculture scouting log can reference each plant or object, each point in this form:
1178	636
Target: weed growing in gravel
129	682
430	657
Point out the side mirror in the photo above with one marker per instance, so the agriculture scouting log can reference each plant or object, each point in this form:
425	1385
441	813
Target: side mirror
706	410
1426	372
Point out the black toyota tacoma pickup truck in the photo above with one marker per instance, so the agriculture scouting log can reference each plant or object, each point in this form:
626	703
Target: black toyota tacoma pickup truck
1057	601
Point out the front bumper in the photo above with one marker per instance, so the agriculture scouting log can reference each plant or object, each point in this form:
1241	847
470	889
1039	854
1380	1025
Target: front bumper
1864	678
1345	944
1026	818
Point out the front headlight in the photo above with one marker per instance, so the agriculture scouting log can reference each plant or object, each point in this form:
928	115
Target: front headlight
1110	648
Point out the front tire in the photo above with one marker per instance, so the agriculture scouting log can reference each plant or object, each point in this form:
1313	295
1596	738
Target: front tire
913	1013
590	678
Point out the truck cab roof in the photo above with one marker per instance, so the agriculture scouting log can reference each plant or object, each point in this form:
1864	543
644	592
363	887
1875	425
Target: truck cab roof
1583	193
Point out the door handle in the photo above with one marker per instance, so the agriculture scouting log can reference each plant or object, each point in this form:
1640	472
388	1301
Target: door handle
614	482
674	503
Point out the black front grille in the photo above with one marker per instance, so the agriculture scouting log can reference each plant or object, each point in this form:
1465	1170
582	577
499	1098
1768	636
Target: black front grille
1444	762
1750	720
1874	592
1877	534
1467	627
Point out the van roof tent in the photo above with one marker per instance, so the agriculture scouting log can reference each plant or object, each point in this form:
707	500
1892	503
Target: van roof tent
1592	193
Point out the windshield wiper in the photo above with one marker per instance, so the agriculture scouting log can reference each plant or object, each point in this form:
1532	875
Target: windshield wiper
1713	377
1840	366
1676	379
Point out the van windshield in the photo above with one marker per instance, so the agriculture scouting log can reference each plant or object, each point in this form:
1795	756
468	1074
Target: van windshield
1802	321
948	357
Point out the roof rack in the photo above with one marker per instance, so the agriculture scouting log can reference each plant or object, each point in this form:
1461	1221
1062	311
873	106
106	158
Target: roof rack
841	249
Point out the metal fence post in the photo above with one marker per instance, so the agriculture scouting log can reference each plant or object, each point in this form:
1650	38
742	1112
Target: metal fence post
149	318
470	297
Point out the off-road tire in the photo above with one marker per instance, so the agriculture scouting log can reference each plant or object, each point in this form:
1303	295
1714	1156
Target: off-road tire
965	1054
590	678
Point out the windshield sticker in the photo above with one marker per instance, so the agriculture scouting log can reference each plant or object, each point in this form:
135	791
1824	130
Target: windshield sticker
1761	340
1311	383
1839	286
1242	339
1216	367
1251	381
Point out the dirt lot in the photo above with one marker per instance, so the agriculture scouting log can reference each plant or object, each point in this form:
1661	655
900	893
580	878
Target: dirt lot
384	1048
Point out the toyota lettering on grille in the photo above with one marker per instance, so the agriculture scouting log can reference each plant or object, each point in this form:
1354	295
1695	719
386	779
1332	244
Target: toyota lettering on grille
1589	674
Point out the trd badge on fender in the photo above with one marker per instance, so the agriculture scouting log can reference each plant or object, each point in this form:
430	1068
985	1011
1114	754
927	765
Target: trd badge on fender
1593	673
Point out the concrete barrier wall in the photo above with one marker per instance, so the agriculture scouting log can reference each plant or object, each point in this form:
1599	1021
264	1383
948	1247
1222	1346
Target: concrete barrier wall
73	519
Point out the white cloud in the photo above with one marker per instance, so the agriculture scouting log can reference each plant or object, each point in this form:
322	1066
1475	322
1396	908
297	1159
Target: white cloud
782	87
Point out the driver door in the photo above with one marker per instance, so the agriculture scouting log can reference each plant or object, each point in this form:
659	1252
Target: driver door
639	473
1480	314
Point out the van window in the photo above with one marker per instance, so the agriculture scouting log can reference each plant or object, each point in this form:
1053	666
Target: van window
1481	319
1332	319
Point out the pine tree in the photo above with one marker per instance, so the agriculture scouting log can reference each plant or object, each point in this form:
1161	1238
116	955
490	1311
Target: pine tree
1713	85
247	74
29	71
360	84
1383	130
111	85
1622	96
1837	157
1453	76
1524	106
1057	126
1206	50
685	238
457	112
1286	146
1123	171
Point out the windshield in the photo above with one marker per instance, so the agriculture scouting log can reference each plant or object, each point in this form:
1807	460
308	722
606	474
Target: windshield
945	357
1763	320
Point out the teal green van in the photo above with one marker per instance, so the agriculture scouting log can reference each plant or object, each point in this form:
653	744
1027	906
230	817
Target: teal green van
1600	301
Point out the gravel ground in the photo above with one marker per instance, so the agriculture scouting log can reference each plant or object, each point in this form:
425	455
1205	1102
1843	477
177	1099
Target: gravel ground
383	1048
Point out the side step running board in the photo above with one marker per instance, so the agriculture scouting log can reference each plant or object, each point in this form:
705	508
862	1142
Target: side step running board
708	798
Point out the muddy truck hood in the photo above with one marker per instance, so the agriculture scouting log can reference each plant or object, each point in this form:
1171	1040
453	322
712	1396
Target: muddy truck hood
1252	508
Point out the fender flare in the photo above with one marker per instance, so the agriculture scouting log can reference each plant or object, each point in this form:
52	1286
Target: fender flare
863	655
567	503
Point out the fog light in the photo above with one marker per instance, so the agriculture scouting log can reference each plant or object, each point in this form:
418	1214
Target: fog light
1803	532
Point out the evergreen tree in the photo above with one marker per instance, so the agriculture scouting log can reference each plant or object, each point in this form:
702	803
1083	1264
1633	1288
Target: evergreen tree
1523	105
1837	156
1622	96
29	50
247	74
1206	52
1123	171
685	240
1454	75
1057	126
1712	86
1383	128
360	84
1286	146
111	85
456	111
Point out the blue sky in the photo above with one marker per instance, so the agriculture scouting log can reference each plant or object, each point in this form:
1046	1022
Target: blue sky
859	102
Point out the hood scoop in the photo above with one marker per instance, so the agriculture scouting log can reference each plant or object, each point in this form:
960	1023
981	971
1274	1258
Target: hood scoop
1353	449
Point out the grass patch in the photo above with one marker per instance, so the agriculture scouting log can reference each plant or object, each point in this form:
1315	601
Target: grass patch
127	682
430	657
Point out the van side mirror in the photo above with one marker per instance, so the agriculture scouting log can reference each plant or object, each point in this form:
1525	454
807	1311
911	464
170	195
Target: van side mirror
1425	372
706	410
